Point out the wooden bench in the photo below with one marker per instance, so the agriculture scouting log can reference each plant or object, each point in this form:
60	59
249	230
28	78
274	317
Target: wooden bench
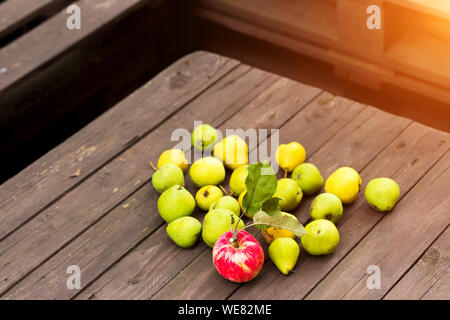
410	50
47	70
89	202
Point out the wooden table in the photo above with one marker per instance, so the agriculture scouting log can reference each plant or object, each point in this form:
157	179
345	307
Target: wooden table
89	202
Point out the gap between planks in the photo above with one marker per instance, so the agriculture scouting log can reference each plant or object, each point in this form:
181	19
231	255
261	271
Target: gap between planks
435	257
18	13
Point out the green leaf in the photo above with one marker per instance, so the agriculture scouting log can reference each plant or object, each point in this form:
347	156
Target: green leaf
261	184
280	221
271	206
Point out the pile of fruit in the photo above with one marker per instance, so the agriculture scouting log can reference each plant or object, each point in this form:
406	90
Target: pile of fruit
256	193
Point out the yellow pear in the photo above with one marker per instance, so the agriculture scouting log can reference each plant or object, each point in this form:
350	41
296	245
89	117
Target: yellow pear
174	156
345	182
240	199
232	151
289	156
272	233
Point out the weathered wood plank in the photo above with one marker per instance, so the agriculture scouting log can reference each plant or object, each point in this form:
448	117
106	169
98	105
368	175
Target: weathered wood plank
327	156
429	277
48	178
86	79
16	13
312	20
51	59
405	159
109	186
435	7
134	276
396	242
27	54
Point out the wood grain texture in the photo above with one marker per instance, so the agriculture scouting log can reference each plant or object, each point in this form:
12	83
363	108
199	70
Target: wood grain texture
16	13
269	110
312	20
27	54
435	7
119	178
48	178
396	242
429	277
320	38
406	159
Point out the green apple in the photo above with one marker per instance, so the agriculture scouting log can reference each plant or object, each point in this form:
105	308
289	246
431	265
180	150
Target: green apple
207	195
322	237
184	231
382	194
204	137
216	223
168	175
237	181
308	178
175	202
284	253
227	202
207	171
290	194
327	206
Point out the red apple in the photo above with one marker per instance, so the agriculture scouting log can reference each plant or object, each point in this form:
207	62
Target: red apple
240	260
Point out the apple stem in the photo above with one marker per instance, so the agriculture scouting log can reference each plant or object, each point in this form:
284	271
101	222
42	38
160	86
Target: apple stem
285	173
224	190
153	166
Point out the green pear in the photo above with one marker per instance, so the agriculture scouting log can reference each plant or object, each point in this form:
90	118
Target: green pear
290	194
184	231
216	223
237	181
207	171
382	194
175	202
204	137
327	206
284	253
227	202
308	178
322	237
207	195
168	175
